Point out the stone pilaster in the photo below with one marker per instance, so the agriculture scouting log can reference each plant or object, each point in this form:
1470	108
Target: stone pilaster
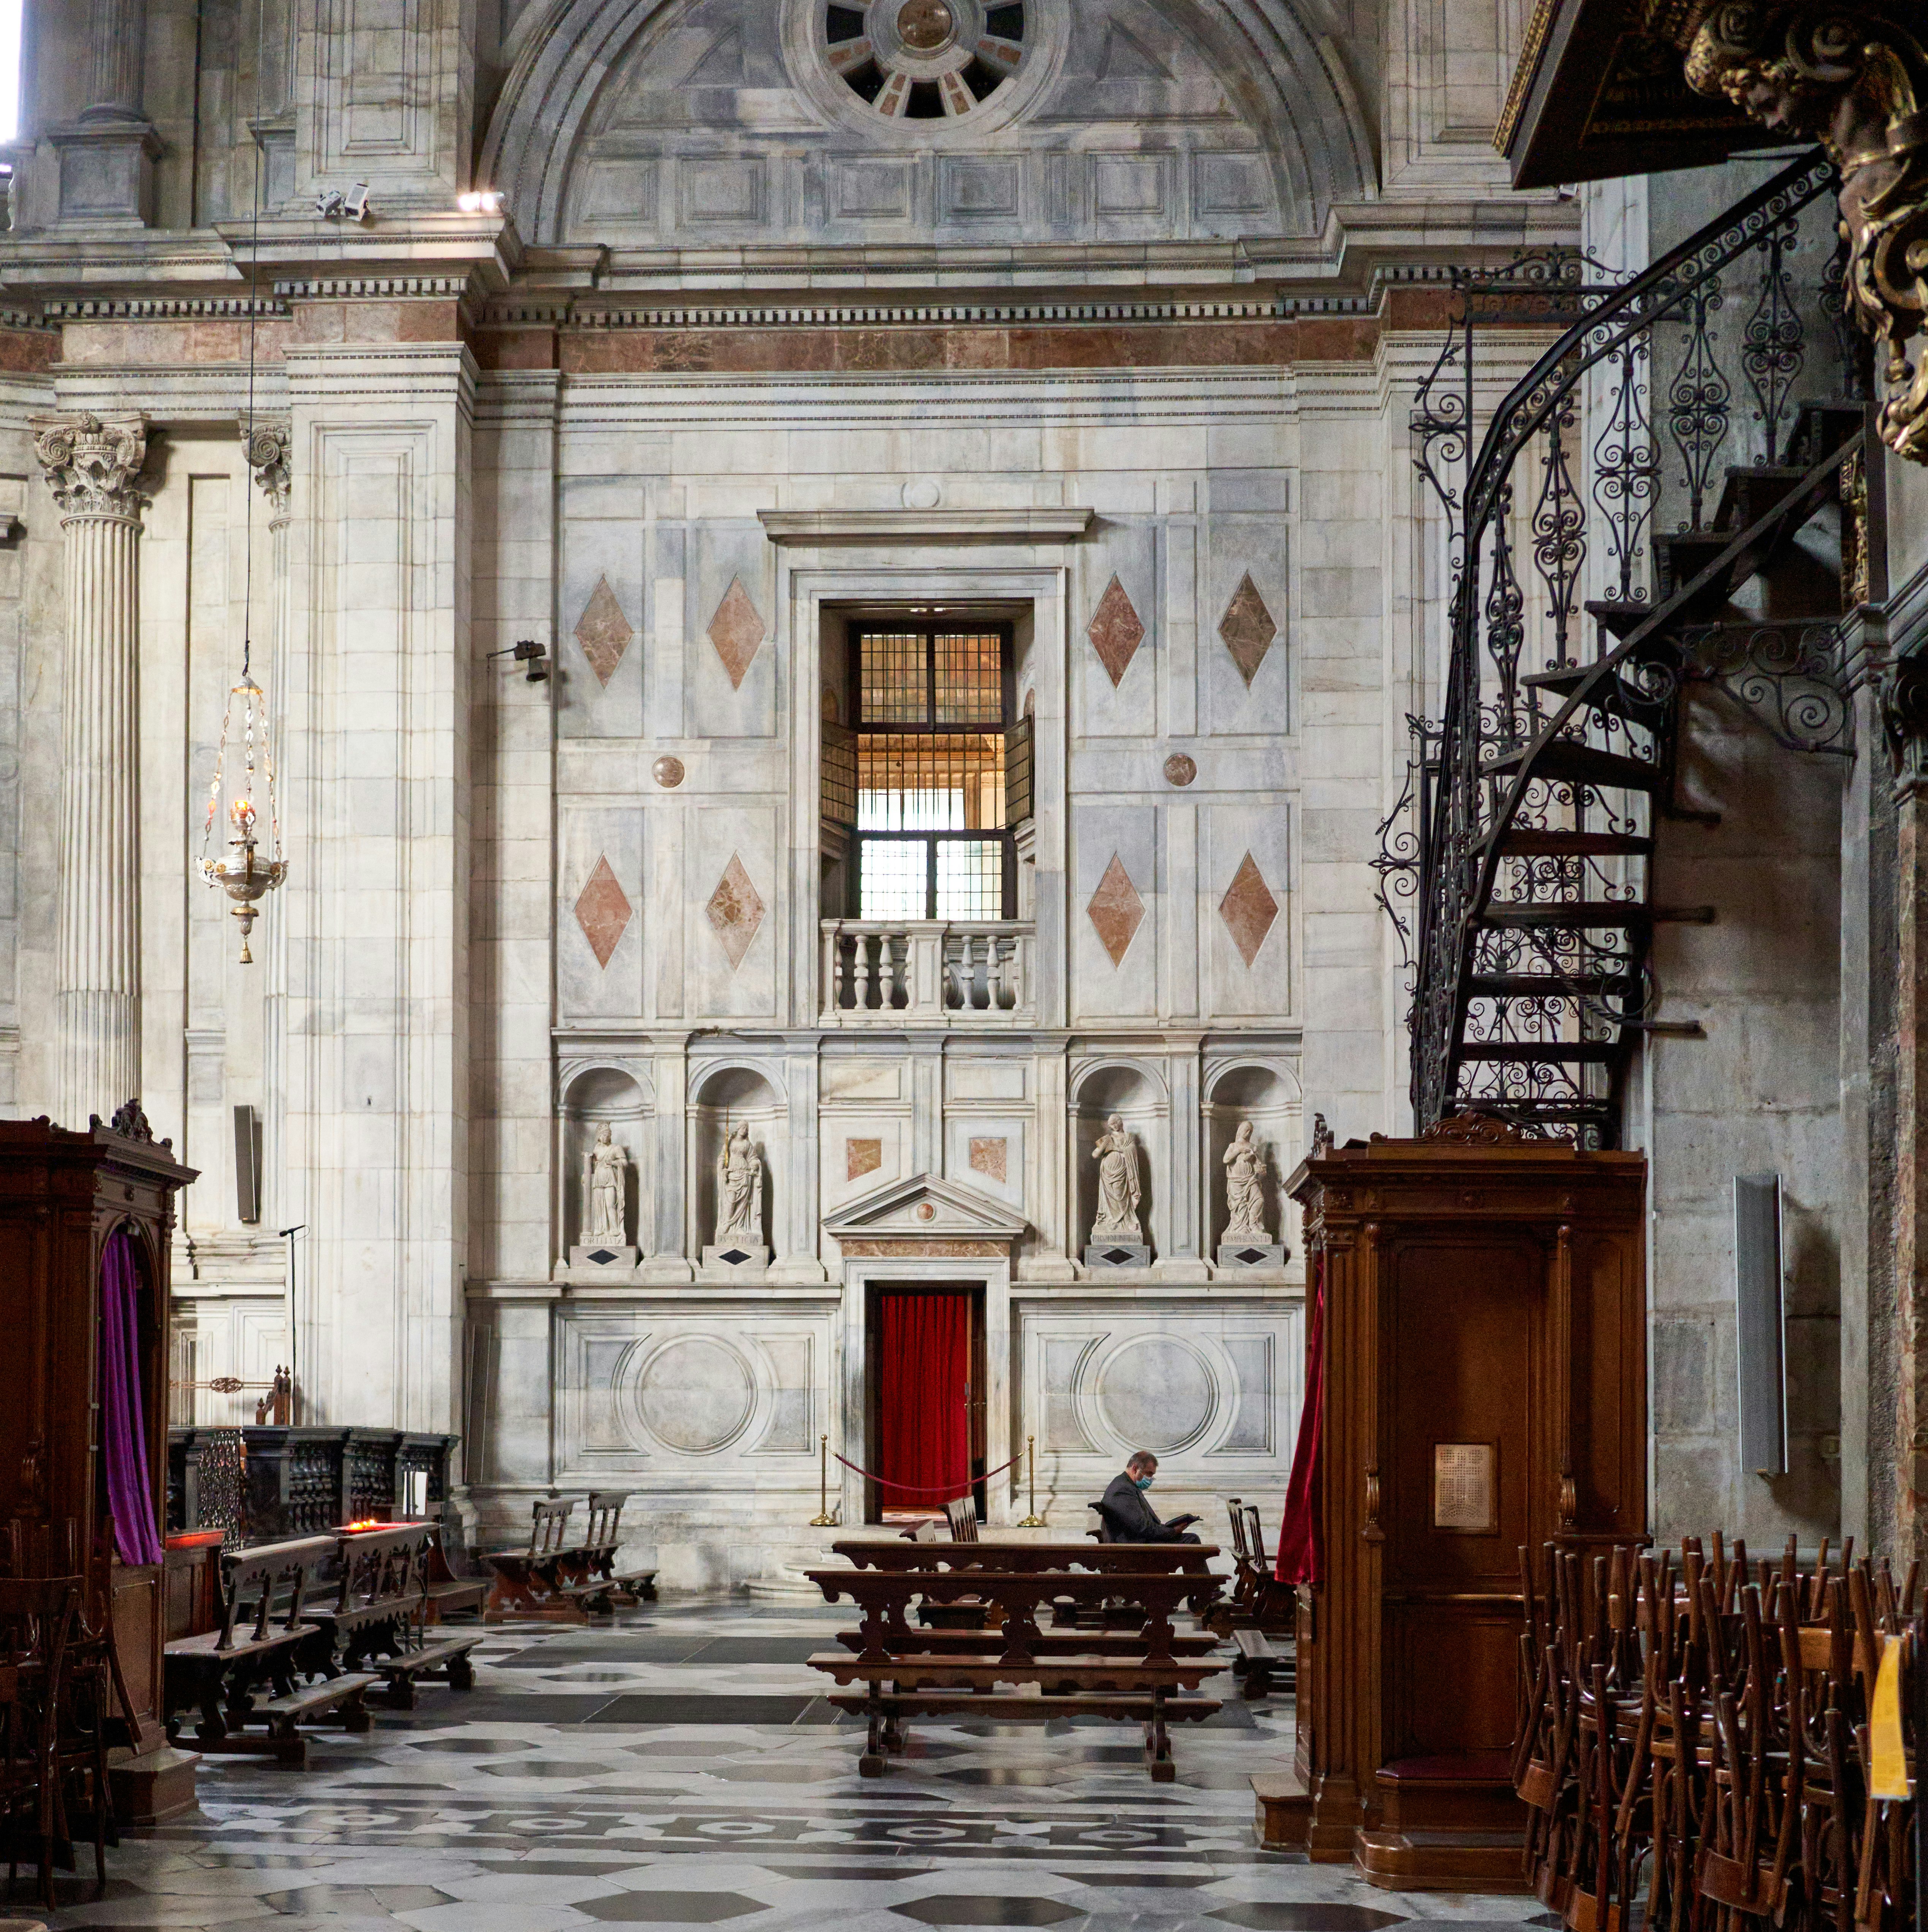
1904	719
266	441
106	158
92	467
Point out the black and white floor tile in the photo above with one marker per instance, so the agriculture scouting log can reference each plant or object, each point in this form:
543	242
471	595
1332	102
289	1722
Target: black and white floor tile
678	1766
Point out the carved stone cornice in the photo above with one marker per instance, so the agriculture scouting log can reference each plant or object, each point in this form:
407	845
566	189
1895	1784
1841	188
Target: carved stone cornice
93	463
1904	710
265	438
1853	75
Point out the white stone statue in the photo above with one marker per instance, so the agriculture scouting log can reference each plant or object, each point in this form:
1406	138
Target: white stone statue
1245	1190
740	1192
1118	1188
603	1182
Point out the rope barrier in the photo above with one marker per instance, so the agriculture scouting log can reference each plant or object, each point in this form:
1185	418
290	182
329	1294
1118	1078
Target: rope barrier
924	1489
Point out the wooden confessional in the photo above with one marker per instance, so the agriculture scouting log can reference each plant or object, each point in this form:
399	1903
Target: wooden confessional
62	1196
1485	1390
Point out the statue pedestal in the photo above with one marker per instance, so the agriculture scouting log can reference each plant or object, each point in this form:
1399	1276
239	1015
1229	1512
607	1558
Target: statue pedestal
737	1257
593	1257
1102	1257
1243	1257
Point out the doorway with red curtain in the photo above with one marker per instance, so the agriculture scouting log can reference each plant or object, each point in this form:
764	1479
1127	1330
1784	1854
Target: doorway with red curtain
927	1410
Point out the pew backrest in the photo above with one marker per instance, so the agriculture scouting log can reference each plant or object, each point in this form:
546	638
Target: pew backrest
261	1569
961	1514
549	1526
605	1529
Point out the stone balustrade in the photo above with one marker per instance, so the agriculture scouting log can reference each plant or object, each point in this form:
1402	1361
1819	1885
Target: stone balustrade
930	972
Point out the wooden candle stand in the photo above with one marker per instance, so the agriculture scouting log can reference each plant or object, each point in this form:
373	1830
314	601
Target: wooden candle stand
1485	1390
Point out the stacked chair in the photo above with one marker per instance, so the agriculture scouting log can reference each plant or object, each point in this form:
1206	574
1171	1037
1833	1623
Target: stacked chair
1697	1748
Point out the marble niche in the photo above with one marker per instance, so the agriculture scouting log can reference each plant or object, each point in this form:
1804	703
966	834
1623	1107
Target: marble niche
1252	1113
737	1117
604	1119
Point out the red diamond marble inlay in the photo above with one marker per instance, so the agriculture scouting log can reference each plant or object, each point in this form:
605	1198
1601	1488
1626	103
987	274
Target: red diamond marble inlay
1116	910
1248	909
736	631
735	910
603	631
1116	632
1247	629
602	911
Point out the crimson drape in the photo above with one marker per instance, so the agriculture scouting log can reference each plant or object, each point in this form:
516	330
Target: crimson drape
1301	1538
123	1430
924	1377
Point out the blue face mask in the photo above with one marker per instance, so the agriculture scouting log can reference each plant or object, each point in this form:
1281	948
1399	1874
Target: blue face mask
1143	1482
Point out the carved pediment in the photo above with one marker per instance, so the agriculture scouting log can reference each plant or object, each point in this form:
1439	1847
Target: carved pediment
924	1208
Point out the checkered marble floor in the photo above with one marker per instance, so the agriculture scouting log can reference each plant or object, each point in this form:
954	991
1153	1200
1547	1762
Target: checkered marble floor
678	1766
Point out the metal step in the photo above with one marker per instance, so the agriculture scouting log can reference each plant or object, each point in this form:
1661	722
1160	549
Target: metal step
1577	1052
1530	841
1749	493
1616	617
1567	758
1569	915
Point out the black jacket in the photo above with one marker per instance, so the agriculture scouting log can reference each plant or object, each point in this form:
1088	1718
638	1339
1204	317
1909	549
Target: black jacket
1131	1518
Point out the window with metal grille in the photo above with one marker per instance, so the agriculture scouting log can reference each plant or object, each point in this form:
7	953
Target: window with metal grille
933	708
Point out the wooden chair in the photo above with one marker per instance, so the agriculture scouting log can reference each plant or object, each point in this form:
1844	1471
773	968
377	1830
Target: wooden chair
37	1617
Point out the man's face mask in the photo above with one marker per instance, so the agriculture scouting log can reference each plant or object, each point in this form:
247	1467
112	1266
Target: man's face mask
1144	1482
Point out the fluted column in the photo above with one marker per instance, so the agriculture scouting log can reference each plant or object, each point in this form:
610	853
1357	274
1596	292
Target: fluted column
92	467
117	50
265	438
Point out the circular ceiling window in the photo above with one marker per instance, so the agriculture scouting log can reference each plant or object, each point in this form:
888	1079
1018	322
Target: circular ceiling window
924	60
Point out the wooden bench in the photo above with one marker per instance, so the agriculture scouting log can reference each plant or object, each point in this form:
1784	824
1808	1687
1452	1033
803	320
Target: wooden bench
450	1595
379	1594
217	1671
1258	1616
599	1586
528	1582
907	1673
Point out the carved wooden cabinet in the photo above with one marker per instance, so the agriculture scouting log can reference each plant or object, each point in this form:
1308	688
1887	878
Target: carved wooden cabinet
1485	1367
62	1196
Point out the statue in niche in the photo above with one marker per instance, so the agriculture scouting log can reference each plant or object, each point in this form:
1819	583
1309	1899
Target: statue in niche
740	1192
1118	1186
603	1184
1245	1187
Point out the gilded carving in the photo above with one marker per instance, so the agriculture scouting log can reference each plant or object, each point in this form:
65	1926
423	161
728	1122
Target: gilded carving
1854	77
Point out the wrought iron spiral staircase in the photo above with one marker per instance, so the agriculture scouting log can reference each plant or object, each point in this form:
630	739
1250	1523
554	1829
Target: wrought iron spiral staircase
1540	792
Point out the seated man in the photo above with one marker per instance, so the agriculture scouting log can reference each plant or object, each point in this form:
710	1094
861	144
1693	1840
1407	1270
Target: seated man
1129	1517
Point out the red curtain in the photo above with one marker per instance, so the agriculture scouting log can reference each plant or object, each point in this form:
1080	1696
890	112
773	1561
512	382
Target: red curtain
1301	1532
923	1378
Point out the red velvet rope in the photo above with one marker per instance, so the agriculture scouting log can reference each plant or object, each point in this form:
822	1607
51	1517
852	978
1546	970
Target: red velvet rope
924	1489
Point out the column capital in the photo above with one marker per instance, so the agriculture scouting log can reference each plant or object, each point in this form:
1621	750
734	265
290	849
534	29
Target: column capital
1904	711
1848	73
93	463
266	439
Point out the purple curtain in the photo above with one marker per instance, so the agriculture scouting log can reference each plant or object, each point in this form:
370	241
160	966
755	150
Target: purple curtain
123	1428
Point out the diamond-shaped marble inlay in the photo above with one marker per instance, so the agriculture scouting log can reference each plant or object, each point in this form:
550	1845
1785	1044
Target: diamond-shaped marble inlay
1116	632
1248	909
987	1157
1247	629
736	631
1116	910
735	910
603	631
602	911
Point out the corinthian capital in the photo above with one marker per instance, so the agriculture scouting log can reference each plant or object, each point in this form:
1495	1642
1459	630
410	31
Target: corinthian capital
266	438
93	464
1853	75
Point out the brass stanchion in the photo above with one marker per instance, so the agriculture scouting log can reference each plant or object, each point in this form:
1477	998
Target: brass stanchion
823	1520
1033	1521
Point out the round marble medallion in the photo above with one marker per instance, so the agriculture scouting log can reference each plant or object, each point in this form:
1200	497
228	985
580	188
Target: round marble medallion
695	1394
925	25
925	1212
921	494
1180	770
668	772
1157	1393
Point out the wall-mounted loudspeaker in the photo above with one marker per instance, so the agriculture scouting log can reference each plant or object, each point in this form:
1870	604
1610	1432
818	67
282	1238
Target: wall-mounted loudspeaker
1760	1323
248	1164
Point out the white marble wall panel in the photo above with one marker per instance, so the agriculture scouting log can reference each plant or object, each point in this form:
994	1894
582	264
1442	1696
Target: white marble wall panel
861	1151
599	846
602	528
1257	546
1103	829
217	1336
724	555
1260	829
718	986
990	1152
1131	707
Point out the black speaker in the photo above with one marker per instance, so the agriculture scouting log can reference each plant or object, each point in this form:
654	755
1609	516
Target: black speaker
248	1163
1760	1323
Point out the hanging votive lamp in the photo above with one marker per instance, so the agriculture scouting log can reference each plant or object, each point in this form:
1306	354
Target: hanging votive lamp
241	802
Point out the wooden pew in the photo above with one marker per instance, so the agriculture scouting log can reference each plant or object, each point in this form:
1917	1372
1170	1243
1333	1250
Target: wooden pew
450	1595
595	1584
377	1622
217	1671
1012	1670
528	1582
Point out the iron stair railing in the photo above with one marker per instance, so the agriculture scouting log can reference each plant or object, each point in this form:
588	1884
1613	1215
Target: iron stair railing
1537	795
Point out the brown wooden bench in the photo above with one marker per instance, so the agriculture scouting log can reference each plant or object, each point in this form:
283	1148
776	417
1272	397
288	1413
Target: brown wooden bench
377	1622
450	1595
1258	1616
217	1671
599	1586
1012	1670
528	1581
